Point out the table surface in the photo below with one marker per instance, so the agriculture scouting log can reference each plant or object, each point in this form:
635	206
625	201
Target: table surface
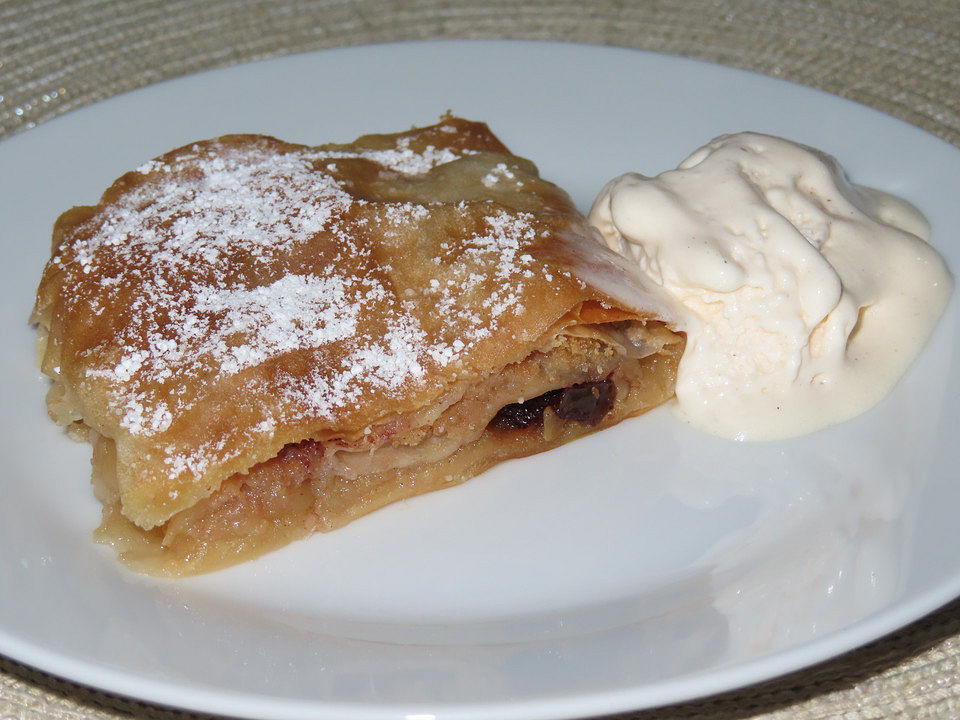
902	58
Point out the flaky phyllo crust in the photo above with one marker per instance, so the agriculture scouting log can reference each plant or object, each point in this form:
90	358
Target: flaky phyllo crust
247	308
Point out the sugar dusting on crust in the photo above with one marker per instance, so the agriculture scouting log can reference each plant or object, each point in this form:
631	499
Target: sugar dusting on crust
402	158
172	240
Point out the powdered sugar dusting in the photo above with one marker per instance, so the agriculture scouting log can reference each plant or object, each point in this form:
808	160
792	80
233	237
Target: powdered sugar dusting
402	158
292	313
499	171
238	198
500	250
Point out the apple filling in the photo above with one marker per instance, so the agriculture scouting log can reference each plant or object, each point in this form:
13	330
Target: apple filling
587	379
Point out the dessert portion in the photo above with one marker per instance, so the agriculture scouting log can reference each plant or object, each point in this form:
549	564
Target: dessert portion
262	340
804	297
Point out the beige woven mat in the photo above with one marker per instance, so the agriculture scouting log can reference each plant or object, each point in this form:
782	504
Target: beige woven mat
903	58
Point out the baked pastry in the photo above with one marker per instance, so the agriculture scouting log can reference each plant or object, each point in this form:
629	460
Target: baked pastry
262	339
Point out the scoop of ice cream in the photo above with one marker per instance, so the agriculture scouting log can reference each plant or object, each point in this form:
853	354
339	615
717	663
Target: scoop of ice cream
805	297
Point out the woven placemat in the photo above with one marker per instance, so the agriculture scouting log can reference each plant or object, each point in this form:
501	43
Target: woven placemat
902	58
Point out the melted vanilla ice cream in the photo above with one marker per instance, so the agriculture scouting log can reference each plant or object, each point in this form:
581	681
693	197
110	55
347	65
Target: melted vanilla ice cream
804	297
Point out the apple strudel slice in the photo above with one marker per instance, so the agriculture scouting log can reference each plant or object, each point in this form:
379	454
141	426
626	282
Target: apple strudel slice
263	340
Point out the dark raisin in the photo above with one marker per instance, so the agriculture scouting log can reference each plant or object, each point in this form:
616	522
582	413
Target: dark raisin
587	403
521	415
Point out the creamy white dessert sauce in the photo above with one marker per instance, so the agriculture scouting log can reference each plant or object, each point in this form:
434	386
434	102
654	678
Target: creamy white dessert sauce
804	297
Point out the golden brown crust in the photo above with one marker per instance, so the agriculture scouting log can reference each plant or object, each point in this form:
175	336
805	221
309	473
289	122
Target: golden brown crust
241	294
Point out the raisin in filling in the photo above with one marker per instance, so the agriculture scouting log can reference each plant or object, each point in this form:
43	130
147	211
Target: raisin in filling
587	403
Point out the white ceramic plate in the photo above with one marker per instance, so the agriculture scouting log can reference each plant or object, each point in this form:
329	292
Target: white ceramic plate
646	565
